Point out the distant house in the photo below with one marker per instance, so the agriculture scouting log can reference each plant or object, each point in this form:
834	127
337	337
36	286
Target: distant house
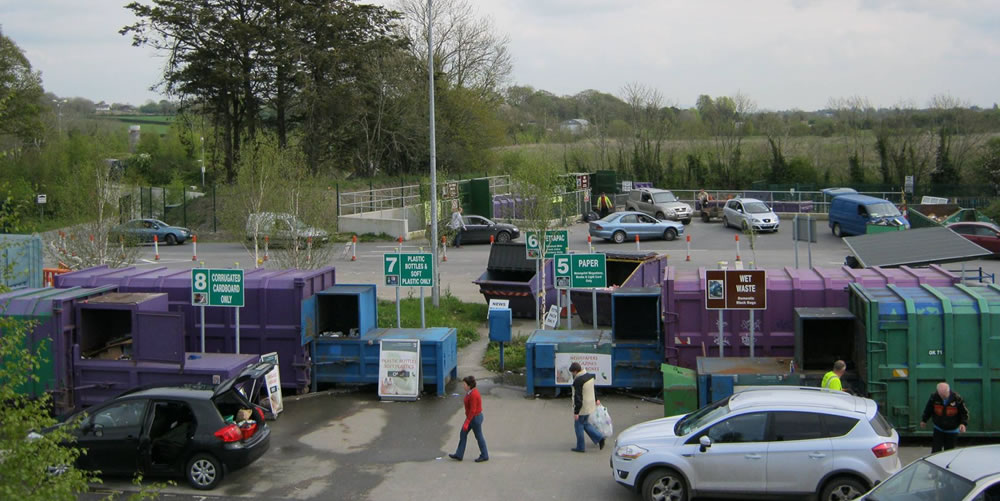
102	107
574	125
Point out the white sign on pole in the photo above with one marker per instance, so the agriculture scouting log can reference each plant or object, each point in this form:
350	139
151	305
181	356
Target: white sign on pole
272	380
497	304
399	369
552	317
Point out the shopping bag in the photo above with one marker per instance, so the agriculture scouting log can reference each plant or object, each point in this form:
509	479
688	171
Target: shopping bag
602	421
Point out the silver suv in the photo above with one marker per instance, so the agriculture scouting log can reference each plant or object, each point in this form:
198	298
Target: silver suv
744	213
661	204
765	440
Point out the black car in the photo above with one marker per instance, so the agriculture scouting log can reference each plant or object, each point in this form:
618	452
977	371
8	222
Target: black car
478	229
199	431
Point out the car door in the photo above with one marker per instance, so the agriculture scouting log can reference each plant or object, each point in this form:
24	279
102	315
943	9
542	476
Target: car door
476	231
987	238
646	204
629	223
737	459
799	453
731	212
167	435
649	227
111	434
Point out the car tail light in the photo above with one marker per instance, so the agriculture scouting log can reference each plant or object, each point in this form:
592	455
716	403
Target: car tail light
884	450
231	433
598	227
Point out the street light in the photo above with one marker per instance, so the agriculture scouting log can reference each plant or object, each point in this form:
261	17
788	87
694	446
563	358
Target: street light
202	161
59	103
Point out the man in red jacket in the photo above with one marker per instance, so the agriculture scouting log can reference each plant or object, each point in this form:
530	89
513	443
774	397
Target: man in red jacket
950	417
473	419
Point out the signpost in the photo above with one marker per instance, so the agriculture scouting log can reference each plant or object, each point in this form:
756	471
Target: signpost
736	290
272	380
217	287
556	242
581	271
408	269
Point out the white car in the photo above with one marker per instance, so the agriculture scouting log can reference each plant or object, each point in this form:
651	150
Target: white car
746	212
283	229
763	441
966	474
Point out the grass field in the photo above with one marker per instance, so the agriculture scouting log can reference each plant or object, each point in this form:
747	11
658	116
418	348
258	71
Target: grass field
158	124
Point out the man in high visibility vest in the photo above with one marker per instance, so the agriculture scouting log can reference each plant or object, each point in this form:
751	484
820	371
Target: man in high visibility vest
831	379
604	205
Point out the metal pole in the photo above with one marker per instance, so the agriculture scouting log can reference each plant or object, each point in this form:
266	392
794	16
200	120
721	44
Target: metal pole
202	161
423	317
569	310
559	296
538	316
398	321
795	238
593	298
751	334
203	329
215	220
721	349
163	198
185	202
436	290
809	244
237	330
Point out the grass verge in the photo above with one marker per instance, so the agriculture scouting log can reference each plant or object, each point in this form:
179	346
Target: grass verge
464	317
513	355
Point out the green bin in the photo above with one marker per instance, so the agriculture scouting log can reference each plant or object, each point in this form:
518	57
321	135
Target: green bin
680	390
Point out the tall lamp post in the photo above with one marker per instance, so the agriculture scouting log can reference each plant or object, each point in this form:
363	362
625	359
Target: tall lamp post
436	290
59	103
202	161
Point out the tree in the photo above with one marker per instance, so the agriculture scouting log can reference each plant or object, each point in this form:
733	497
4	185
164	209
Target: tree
538	186
20	94
726	119
258	173
469	53
855	114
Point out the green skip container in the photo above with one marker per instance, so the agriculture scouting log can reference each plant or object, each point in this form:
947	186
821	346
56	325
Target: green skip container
916	337
680	390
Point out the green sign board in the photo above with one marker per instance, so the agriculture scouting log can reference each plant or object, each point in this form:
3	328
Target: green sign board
408	269
556	242
217	287
580	271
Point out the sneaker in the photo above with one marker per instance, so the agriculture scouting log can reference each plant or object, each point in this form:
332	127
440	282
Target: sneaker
578	450
601	444
456	458
482	460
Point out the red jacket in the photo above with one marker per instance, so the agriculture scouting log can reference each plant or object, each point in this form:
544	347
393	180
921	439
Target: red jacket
473	406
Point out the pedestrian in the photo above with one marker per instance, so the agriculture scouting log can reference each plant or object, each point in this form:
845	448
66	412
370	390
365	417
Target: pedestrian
831	379
473	421
457	223
704	197
584	404
604	205
950	417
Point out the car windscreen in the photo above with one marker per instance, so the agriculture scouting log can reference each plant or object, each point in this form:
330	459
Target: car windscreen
922	480
701	417
882	209
755	208
664	197
610	217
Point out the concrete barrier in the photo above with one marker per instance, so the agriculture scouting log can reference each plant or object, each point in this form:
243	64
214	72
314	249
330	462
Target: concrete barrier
406	222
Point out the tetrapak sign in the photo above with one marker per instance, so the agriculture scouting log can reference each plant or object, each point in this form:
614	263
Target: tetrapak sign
736	289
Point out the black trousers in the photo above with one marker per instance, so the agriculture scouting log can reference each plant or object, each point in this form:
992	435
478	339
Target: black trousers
943	441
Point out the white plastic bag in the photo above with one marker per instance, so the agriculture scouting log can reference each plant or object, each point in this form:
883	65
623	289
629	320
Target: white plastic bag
602	421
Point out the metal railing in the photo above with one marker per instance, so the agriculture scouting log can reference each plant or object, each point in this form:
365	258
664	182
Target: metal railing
371	200
820	201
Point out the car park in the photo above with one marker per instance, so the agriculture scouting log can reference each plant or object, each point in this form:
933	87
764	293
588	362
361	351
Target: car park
745	213
985	235
198	431
143	230
851	213
965	474
622	226
479	229
283	229
763	441
661	204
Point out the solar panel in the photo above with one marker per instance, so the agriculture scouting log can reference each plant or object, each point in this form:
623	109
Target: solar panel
913	247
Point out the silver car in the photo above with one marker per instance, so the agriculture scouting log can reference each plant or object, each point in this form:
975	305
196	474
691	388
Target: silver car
661	204
763	441
744	213
967	474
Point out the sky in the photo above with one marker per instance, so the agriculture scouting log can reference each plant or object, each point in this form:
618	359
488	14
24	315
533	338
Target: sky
782	54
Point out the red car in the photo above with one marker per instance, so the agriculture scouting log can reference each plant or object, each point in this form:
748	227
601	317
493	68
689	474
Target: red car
985	235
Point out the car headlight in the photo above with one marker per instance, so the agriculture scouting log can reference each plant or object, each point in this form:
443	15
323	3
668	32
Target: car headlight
630	451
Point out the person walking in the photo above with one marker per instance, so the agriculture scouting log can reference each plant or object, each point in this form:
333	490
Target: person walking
831	379
473	421
950	417
584	404
604	205
457	223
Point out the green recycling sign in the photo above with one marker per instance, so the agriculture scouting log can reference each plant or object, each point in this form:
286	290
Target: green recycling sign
556	242
580	271
408	269
217	287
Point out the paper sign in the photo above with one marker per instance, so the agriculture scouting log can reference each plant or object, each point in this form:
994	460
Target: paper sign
552	318
598	364
272	380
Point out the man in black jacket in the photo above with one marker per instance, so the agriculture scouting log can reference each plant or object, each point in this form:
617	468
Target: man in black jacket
950	417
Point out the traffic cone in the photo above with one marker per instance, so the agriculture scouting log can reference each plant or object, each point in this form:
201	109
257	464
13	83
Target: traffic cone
194	250
637	243
354	247
156	246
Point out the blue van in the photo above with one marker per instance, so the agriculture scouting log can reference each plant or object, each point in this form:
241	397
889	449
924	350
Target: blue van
851	213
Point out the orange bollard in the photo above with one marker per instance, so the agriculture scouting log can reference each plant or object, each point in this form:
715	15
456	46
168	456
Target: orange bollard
354	247
688	248
309	249
267	240
637	242
194	251
156	246
444	245
491	239
590	244
737	247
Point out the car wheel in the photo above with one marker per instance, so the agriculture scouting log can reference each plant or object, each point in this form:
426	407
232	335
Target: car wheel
203	471
503	237
842	489
670	234
705	217
171	239
725	222
660	216
663	484
836	230
618	237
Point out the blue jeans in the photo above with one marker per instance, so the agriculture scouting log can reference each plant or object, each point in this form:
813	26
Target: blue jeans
476	426
458	238
581	425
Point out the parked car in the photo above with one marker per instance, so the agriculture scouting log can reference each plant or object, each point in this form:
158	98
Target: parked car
622	226
143	230
661	204
478	229
188	430
283	229
749	212
985	235
966	474
765	440
851	213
